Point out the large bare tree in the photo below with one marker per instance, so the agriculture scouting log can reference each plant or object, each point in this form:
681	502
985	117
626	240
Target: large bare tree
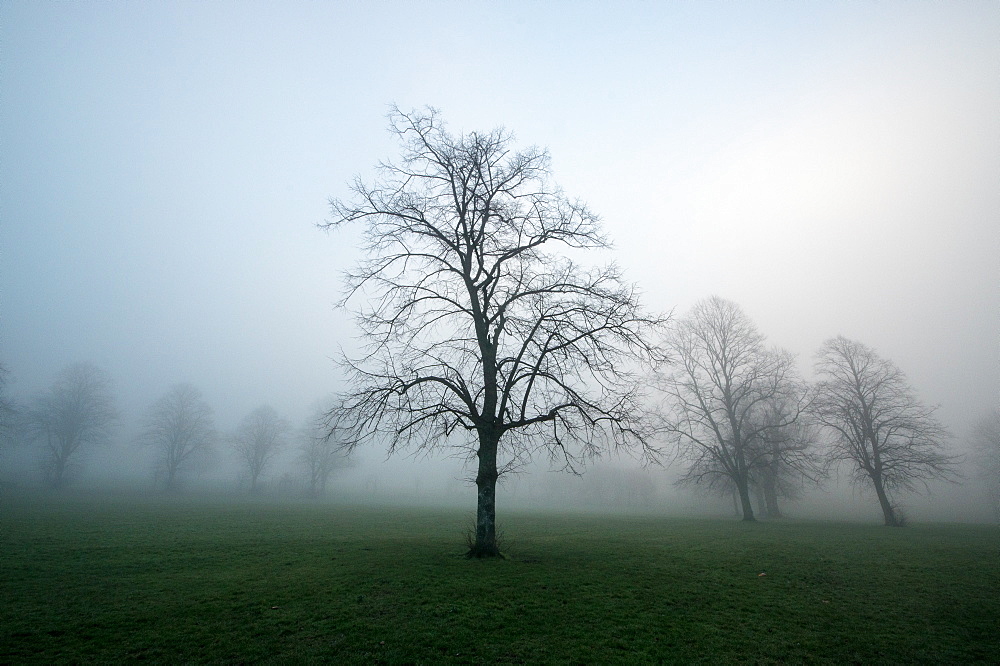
257	440
480	332
721	395
179	425
881	430
76	412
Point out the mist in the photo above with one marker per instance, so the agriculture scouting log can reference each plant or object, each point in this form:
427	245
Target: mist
832	169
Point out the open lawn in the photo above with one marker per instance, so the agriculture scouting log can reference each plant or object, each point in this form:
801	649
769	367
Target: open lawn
92	579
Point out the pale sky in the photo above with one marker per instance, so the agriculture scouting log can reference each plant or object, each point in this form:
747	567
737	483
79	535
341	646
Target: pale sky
833	167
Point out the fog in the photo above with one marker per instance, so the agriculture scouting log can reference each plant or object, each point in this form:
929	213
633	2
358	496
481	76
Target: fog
832	168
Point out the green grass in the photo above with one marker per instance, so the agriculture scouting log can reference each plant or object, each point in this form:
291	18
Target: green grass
89	579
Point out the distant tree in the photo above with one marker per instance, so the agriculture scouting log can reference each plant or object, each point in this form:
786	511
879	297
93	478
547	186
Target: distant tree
782	459
258	439
9	411
986	447
480	335
720	398
321	455
881	430
180	427
76	412
785	454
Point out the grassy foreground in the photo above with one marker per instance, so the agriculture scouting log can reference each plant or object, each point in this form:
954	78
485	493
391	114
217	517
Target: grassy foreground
90	580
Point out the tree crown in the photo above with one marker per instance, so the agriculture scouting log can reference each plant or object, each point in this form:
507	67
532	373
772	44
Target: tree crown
473	320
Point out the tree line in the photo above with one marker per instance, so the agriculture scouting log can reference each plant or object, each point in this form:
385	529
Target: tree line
77	413
738	412
485	337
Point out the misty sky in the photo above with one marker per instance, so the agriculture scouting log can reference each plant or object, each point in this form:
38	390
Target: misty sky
832	167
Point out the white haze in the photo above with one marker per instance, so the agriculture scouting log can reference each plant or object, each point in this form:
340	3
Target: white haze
831	167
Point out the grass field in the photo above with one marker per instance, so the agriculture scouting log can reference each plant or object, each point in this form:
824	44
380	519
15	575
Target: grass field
91	579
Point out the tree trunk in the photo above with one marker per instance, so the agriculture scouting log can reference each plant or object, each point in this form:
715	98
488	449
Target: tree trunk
744	489
486	508
770	491
887	511
171	483
59	468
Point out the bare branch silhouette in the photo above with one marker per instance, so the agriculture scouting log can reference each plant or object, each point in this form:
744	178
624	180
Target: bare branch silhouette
731	400
880	428
480	334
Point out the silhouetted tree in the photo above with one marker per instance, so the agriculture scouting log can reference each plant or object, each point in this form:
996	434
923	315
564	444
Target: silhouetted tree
889	439
8	411
784	454
480	335
986	448
258	439
320	455
719	394
75	413
782	458
180	426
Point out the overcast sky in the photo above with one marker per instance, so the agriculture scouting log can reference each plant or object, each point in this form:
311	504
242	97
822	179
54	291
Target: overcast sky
832	167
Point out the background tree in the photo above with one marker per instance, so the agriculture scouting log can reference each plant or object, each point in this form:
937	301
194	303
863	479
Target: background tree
75	413
180	427
785	454
8	411
720	397
986	451
320	454
258	439
480	335
881	430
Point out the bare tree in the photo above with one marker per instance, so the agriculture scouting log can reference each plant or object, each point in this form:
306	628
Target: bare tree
881	430
180	426
479	335
258	439
986	451
782	459
8	412
320	454
75	413
785	455
719	394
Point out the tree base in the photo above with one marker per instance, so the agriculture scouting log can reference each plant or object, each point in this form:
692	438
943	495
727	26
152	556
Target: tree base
482	552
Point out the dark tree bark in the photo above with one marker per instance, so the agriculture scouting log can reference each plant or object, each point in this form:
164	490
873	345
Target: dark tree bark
486	493
769	493
743	485
888	512
881	430
479	337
